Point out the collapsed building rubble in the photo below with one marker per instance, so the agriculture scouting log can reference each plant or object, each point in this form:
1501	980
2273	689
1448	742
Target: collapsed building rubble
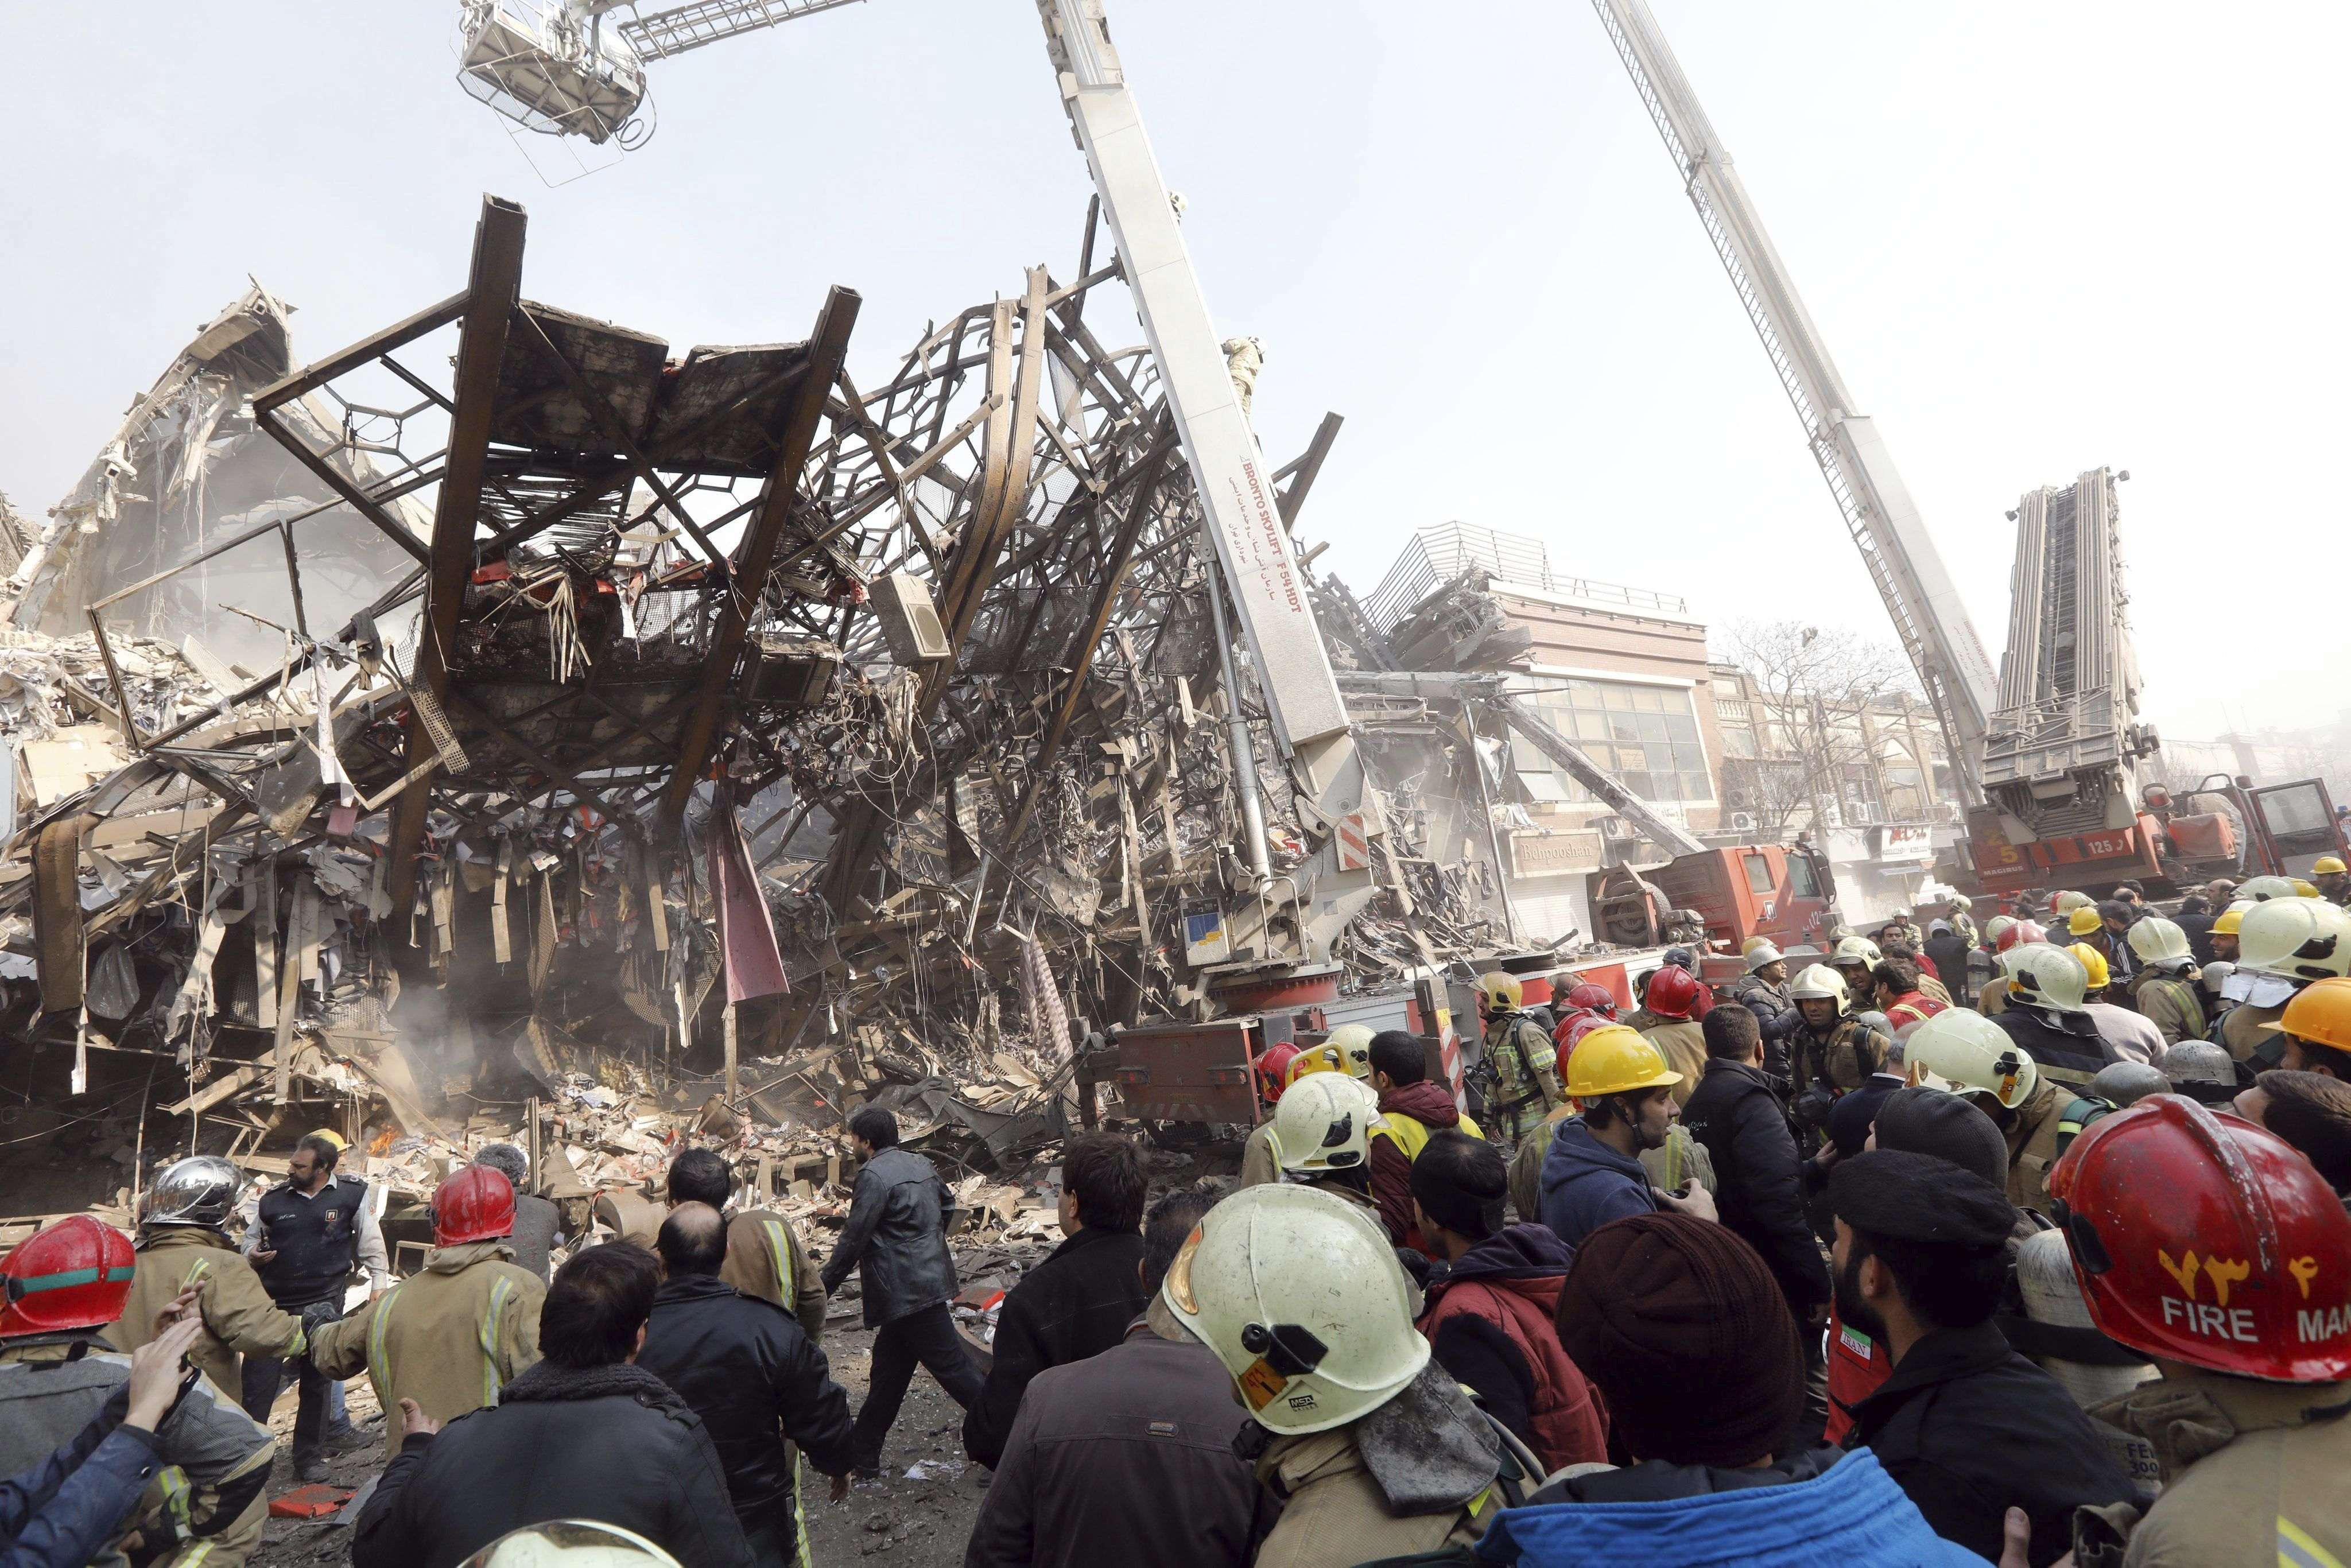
510	728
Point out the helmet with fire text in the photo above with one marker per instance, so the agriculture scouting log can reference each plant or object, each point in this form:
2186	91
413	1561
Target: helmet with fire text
1324	1124
75	1274
1966	1053
2210	1240
1299	1294
1672	993
1352	1041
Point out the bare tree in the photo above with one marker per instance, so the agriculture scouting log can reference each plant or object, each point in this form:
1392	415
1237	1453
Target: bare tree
1812	686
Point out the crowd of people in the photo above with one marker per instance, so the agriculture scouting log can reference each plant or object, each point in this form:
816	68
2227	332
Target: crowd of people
1872	1261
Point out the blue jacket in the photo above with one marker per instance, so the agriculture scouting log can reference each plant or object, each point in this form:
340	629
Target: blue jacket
1586	1183
1853	1516
63	1511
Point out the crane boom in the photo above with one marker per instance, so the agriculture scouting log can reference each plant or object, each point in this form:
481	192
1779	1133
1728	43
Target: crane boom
1930	619
663	34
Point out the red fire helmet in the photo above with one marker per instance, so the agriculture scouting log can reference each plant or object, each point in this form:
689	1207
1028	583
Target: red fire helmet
475	1204
2208	1240
1673	991
1590	999
2023	931
76	1274
1570	1034
1273	1067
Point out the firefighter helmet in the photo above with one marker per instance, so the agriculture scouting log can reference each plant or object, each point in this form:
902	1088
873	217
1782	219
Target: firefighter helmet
1324	1124
475	1204
1501	992
2294	939
1760	954
2197	1061
1673	992
570	1544
2067	902
2049	976
1273	1069
75	1274
1821	983
1352	1041
2084	920
1301	1298
2095	977
1964	1051
2122	1083
1858	950
200	1190
1591	998
1996	927
1571	1033
1313	1059
1617	1060
2158	940
2208	1241
2261	889
2019	933
1962	902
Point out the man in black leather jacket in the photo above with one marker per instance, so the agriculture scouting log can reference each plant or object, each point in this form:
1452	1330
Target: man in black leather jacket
896	1240
747	1368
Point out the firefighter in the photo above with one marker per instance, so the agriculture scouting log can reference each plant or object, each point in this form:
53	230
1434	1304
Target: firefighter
59	1289
1833	1052
1322	1136
2208	1245
1854	958
1992	999
2283	944
184	1243
2165	990
1258	1161
2333	879
1764	992
1972	1056
1675	1029
453	1334
1371	1452
1964	923
1520	1063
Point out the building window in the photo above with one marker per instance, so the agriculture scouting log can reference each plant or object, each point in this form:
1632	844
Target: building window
1646	735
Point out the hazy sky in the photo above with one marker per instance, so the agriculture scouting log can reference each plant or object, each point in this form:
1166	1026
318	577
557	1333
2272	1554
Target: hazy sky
2038	238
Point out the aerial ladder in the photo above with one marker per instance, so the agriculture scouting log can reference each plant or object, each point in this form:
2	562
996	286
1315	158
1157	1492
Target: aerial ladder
1930	619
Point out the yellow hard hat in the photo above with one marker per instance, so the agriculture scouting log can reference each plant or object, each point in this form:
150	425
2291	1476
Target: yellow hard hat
1615	1060
1751	943
2230	918
2319	1014
2326	863
331	1136
1325	1058
2082	921
1499	990
2093	962
2305	888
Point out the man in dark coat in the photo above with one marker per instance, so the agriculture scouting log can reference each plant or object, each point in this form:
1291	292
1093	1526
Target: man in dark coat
1738	1116
2194	918
585	1434
1127	1457
1079	1301
1964	1424
538	1224
746	1367
896	1239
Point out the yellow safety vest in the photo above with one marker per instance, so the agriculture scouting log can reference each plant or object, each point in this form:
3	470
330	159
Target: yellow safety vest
1411	1136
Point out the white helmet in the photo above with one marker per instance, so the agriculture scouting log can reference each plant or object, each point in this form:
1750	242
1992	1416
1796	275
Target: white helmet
1963	1051
2047	975
2260	889
2158	940
2297	939
1856	950
1820	983
2069	901
1760	954
1324	1124
570	1544
1994	926
1962	902
1301	1298
1354	1041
